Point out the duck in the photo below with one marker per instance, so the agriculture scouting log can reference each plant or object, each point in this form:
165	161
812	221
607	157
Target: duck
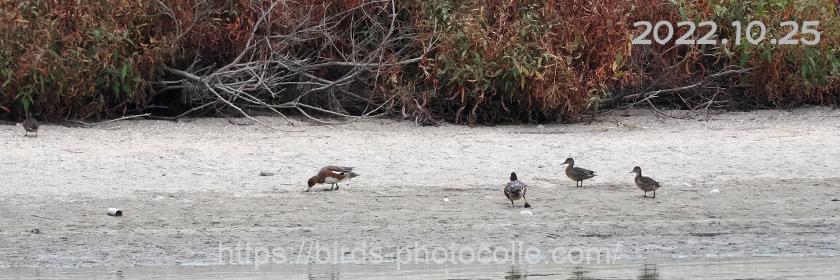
332	174
577	174
30	125
646	184
514	190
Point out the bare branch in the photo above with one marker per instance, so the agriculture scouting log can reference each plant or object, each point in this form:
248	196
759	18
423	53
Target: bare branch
295	63
647	94
114	120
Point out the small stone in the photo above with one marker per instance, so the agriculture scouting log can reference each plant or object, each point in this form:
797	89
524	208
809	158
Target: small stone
715	191
445	199
266	173
35	231
114	212
835	199
526	212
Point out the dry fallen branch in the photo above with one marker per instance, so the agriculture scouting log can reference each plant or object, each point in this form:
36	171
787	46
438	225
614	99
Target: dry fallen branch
631	100
325	66
114	120
654	93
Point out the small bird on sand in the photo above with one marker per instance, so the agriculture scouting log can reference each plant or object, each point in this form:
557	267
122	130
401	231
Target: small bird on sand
514	190
577	174
332	175
30	125
646	184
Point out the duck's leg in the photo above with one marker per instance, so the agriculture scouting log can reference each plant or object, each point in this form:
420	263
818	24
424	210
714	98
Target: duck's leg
526	202
654	194
511	203
336	186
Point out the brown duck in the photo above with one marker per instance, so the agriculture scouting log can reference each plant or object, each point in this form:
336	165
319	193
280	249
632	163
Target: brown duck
514	190
646	184
332	175
577	174
30	125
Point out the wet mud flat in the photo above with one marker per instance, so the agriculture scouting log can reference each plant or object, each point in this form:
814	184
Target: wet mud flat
192	193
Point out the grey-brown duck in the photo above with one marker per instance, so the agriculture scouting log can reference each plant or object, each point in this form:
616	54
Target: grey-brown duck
30	125
646	184
577	174
514	190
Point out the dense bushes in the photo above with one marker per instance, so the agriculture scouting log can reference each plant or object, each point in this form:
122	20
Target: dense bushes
783	75
74	61
490	62
532	60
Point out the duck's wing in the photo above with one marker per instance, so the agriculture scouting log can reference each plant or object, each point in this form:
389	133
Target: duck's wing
30	124
648	181
336	169
515	187
585	172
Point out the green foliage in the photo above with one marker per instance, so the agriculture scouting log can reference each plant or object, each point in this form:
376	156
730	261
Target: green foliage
479	62
76	61
491	61
783	73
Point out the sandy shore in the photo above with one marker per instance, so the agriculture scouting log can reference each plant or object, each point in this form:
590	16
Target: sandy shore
189	188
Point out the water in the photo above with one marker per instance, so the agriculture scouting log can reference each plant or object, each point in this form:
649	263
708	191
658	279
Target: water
751	268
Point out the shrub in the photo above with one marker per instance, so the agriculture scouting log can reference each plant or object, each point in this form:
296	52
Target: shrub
518	60
528	60
63	60
782	75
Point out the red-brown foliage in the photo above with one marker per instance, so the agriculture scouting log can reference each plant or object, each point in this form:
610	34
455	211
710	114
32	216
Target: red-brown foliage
493	61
